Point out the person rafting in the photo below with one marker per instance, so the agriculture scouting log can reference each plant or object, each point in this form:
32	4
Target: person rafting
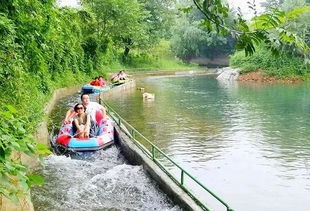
119	77
122	75
86	128
81	123
102	82
114	78
91	109
95	82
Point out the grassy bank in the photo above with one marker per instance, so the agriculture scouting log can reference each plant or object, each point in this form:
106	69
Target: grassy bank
158	58
284	66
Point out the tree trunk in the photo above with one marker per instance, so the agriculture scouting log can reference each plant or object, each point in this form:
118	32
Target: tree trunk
126	51
128	43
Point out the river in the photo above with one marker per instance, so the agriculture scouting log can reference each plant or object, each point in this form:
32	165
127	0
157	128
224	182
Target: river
249	143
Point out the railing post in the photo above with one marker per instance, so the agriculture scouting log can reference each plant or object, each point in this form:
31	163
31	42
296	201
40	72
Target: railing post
133	134
153	153
182	177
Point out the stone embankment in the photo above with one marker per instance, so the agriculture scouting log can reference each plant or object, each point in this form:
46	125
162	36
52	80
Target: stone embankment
227	74
260	77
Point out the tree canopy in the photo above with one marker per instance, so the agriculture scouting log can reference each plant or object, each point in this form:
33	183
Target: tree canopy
260	29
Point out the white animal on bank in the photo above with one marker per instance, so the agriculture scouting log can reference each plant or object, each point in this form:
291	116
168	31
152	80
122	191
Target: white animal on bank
148	96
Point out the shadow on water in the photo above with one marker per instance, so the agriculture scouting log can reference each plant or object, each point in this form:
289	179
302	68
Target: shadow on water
101	180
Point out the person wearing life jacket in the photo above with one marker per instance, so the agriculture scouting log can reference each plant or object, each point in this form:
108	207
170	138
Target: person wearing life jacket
95	82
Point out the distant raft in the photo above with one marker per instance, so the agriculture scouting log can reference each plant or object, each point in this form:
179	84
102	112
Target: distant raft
90	89
117	82
66	143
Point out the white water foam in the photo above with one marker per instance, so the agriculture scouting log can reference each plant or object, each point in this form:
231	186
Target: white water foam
104	182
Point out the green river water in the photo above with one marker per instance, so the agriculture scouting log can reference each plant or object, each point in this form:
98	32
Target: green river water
249	143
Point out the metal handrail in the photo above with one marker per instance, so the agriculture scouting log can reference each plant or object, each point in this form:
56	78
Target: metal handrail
152	154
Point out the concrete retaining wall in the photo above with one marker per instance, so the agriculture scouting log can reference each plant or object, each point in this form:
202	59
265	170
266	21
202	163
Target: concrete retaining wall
136	157
118	89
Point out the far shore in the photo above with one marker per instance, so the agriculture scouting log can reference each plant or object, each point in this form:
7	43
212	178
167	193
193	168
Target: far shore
260	77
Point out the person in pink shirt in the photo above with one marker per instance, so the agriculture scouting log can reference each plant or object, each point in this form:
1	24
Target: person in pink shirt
122	75
102	82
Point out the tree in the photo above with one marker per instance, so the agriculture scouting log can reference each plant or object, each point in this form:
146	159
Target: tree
256	31
190	40
160	18
121	21
299	25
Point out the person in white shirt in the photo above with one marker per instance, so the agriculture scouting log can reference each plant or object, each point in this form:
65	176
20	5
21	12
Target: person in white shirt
91	108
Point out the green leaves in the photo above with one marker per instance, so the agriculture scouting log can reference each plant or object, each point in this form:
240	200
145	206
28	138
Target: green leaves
42	149
215	12
259	30
295	13
34	179
14	140
187	9
287	66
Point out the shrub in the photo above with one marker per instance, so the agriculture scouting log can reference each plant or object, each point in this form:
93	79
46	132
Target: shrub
282	66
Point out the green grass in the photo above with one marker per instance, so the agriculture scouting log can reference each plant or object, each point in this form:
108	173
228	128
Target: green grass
159	58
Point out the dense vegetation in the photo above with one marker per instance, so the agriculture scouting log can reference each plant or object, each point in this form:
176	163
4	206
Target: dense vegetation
44	47
284	66
290	60
191	40
41	49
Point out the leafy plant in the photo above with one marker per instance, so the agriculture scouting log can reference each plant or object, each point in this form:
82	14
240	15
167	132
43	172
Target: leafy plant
258	30
14	140
287	66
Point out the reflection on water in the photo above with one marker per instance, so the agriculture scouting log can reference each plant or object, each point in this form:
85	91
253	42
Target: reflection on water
248	143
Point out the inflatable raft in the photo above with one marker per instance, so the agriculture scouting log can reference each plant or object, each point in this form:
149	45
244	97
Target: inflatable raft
118	82
90	89
66	143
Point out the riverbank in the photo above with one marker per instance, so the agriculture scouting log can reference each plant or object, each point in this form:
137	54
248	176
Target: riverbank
261	77
154	65
263	66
